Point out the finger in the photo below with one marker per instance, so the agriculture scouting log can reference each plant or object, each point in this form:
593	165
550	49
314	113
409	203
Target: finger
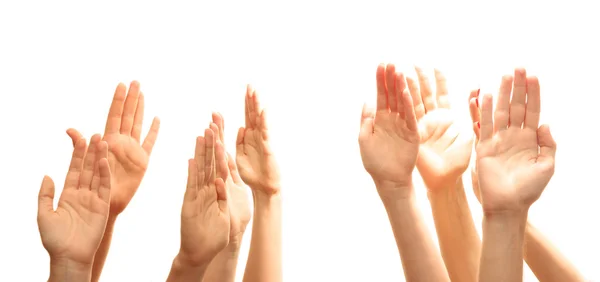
217	118
239	141
487	122
221	161
105	180
474	110
517	104
200	156
533	109
72	179
251	109
401	87
216	130
113	122
415	93
425	88
191	190
221	195
150	139
441	90
502	112
101	153
366	121
409	110
130	106
89	162
74	135
263	125
546	143
209	159
475	116
382	103
46	196
233	170
390	87
256	110
138	120
246	108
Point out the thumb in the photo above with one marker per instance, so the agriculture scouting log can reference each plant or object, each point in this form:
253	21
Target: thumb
74	134
222	196
366	120
46	196
233	170
546	142
239	141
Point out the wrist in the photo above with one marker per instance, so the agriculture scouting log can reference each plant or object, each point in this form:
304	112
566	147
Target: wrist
262	199
62	269
392	191
182	263
507	216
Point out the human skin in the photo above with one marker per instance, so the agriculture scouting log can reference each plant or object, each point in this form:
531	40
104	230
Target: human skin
389	146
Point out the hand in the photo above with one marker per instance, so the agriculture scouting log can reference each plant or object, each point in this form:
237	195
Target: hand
445	149
515	158
127	158
74	230
475	113
254	157
389	138
205	218
240	205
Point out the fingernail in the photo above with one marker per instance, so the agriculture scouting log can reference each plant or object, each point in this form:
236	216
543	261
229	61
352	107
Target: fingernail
477	102
478	125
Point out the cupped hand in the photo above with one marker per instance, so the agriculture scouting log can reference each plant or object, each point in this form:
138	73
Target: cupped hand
239	204
445	148
128	158
205	218
254	157
515	158
389	137
74	230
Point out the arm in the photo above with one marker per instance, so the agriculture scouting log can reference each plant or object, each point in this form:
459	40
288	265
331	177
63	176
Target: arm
457	236
420	259
183	271
264	259
66	270
546	262
102	253
502	250
223	267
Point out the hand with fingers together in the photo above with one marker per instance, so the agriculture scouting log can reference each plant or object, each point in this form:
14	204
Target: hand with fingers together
445	149
515	161
72	233
389	147
127	157
205	219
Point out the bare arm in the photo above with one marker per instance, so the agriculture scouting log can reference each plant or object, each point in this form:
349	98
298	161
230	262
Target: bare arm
421	260
181	271
66	270
502	250
457	236
264	259
102	253
224	265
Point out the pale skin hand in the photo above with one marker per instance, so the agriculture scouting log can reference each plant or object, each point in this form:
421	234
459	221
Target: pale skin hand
389	146
72	233
205	219
259	170
545	261
223	267
128	157
515	161
444	156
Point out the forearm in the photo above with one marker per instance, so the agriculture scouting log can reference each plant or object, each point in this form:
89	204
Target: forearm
224	265
66	270
264	259
102	252
502	250
458	239
545	261
182	271
421	260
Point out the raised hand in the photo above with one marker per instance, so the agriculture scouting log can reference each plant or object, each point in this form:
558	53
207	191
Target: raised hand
72	233
240	204
205	219
515	158
255	160
475	113
389	138
445	149
128	158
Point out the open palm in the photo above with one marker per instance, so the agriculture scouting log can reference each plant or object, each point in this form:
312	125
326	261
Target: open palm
255	160
128	158
205	221
74	230
445	148
388	139
515	158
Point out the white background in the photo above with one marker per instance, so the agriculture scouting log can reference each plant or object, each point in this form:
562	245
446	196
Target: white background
313	63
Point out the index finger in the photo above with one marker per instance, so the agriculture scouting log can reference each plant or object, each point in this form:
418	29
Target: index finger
113	121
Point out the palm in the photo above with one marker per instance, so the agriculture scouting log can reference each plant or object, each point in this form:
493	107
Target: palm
256	165
240	208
